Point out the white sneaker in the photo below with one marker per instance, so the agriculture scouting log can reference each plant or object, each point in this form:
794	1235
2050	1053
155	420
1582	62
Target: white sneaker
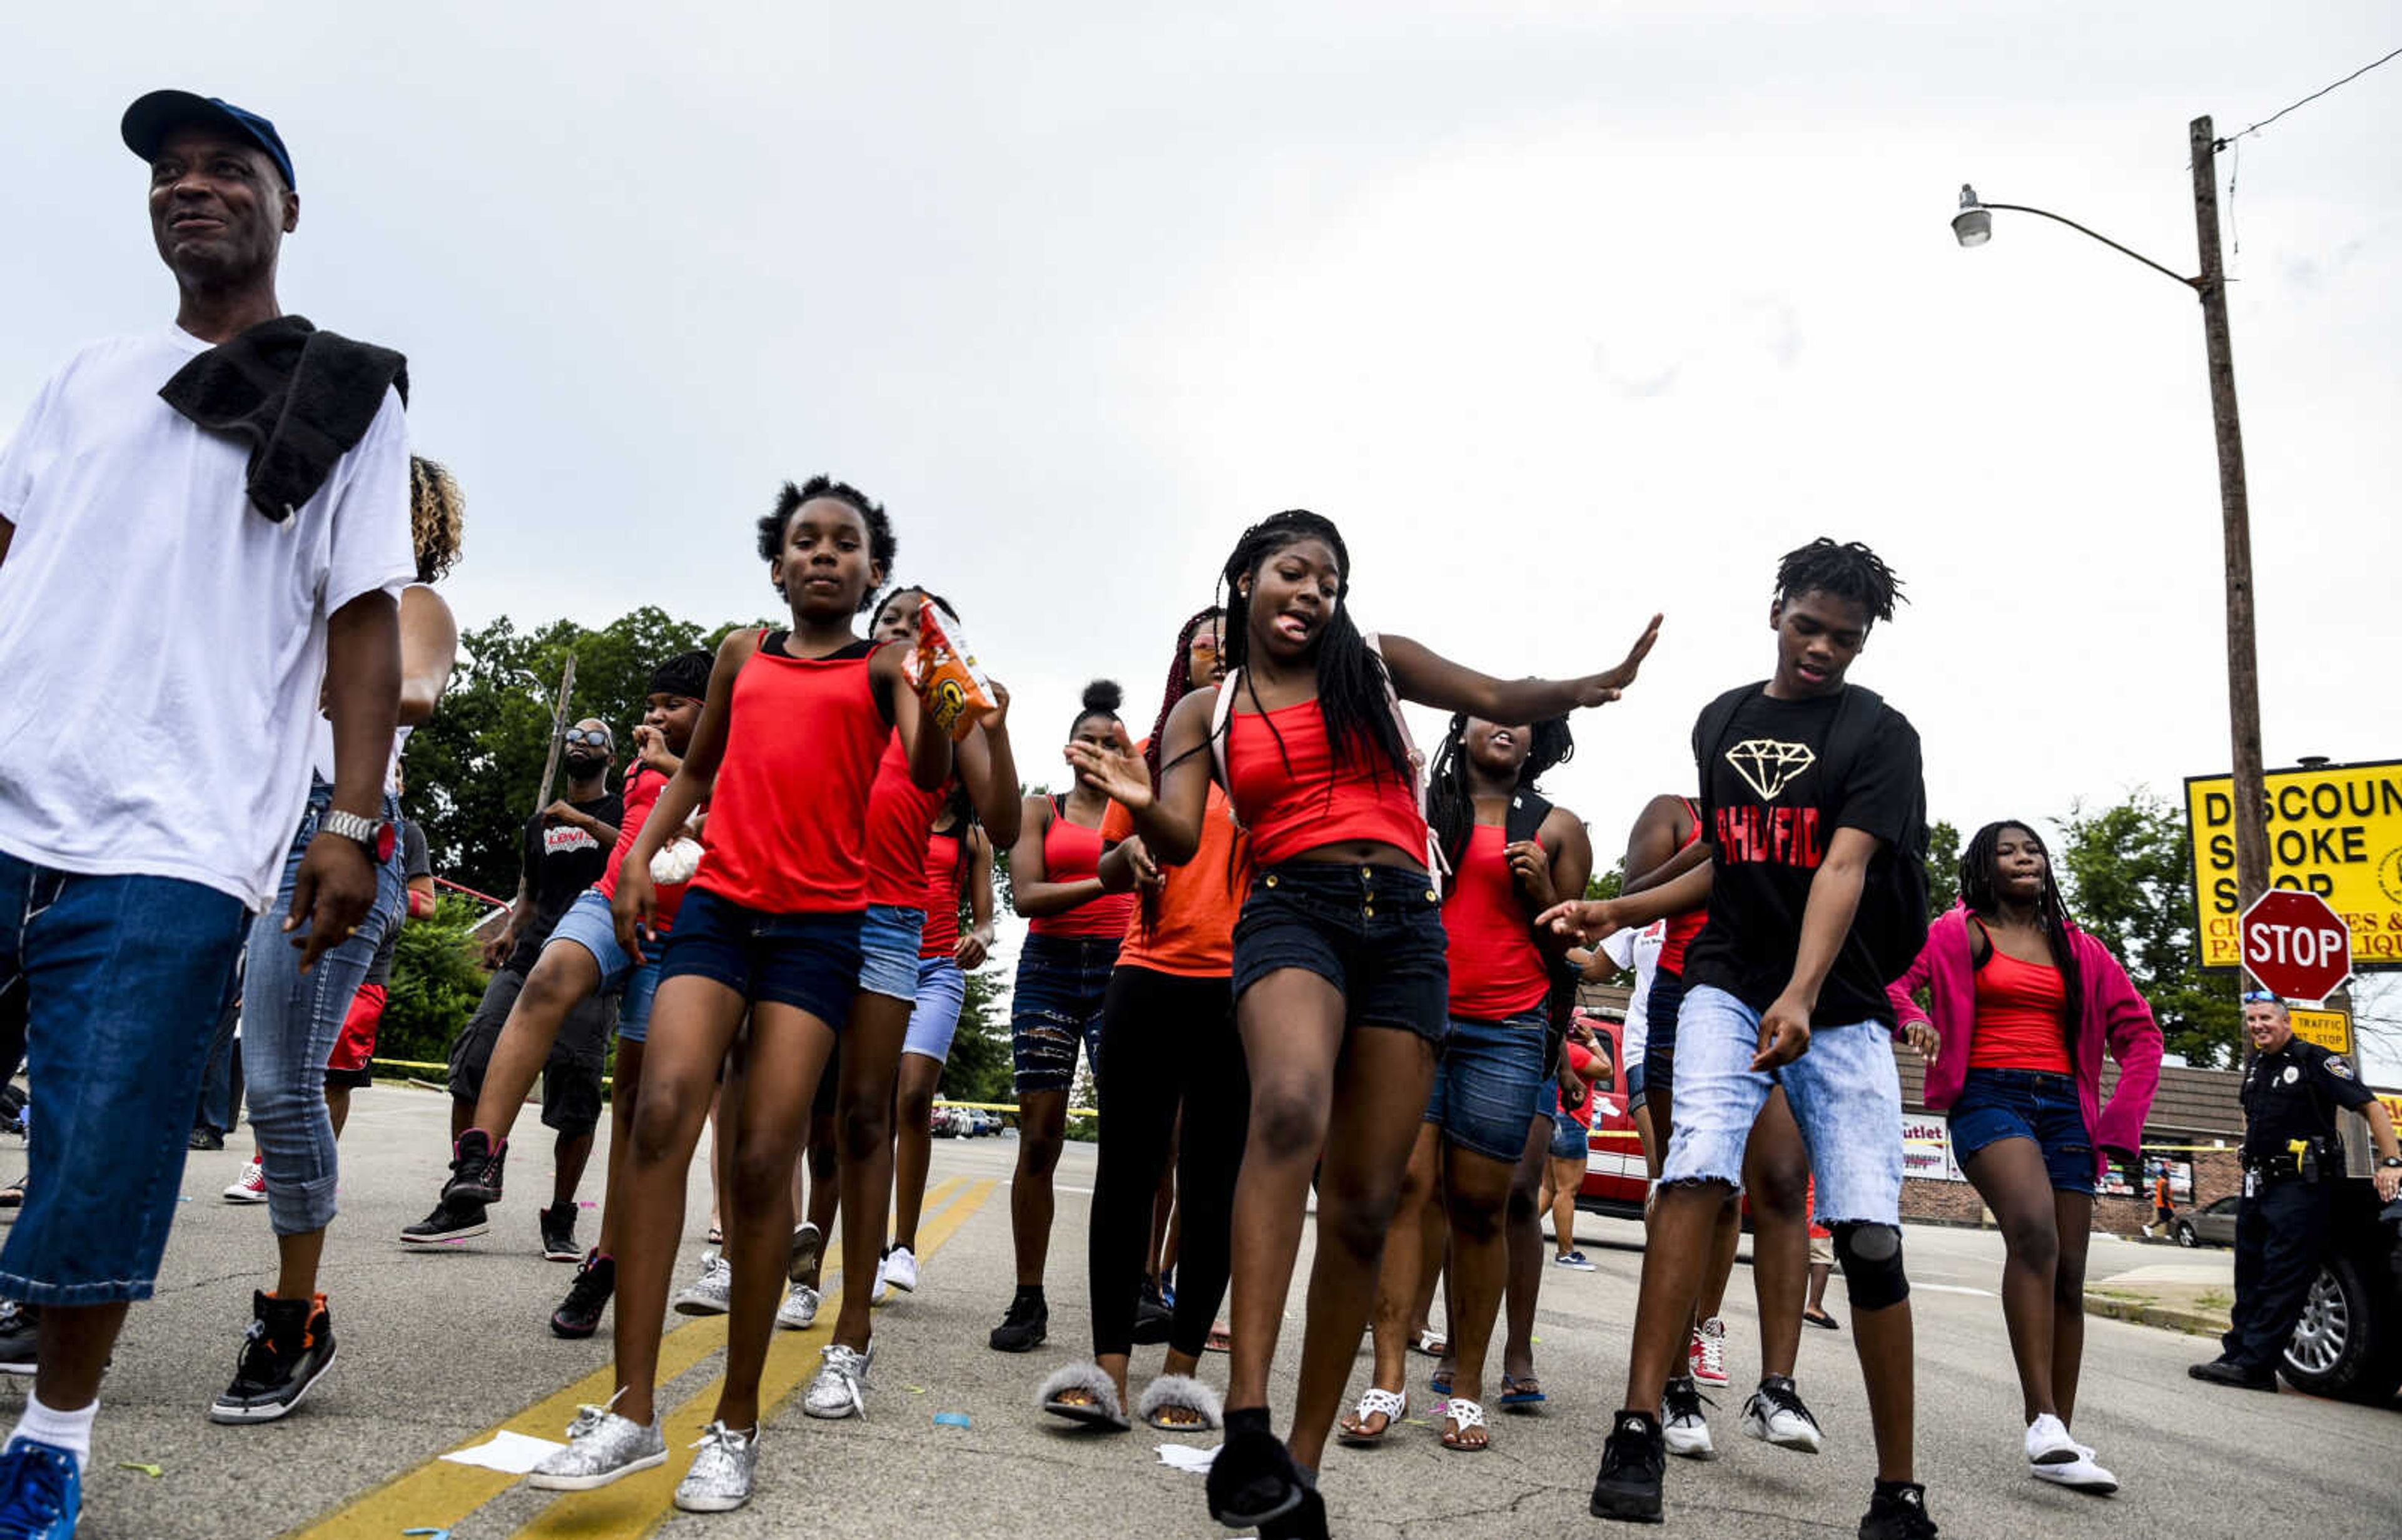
2080	1474
713	1292
840	1388
602	1447
799	1310
900	1269
251	1185
2048	1442
1682	1425
877	1295
1709	1365
1775	1415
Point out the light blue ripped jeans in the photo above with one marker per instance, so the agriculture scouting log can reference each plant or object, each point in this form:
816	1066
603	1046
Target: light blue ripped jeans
1845	1091
289	1023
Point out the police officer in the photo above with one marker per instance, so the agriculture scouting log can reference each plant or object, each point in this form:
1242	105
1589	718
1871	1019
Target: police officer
2291	1159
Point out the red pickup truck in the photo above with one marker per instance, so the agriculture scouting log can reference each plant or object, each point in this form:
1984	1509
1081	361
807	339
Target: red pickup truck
1615	1179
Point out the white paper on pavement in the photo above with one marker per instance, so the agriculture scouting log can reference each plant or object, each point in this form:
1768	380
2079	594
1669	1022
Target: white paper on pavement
514	1454
1185	1457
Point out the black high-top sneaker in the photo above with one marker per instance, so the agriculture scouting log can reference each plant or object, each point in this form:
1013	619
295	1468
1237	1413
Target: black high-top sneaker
289	1348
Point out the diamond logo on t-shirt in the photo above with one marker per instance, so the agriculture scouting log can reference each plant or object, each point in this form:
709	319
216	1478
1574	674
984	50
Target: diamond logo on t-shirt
1768	766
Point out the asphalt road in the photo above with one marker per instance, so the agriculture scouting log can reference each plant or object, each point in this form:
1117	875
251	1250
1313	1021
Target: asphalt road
437	1350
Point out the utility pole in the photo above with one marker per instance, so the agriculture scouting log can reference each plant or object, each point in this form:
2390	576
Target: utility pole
567	688
2243	661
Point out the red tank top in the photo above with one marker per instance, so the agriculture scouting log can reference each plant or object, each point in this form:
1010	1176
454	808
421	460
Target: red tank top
1072	853
787	830
642	789
1683	928
2021	1017
1321	800
1496	970
899	814
942	879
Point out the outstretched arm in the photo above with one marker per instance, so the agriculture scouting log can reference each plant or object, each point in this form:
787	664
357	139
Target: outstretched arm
1427	677
990	770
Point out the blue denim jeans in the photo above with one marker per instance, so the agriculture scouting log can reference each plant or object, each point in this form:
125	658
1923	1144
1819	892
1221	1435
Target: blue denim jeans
1489	1084
289	1023
218	1103
1062	984
124	977
2040	1108
1845	1093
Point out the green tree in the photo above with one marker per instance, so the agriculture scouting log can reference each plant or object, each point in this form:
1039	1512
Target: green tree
979	1068
435	983
2129	881
473	769
1942	868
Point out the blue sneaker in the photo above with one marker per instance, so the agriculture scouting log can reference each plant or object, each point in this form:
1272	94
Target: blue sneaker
41	1492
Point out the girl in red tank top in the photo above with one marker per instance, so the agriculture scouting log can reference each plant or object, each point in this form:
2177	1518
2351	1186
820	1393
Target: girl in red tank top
1063	975
1339	943
1511	855
789	738
895	979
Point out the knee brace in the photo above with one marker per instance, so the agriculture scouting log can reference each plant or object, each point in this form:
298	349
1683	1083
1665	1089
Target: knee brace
1872	1258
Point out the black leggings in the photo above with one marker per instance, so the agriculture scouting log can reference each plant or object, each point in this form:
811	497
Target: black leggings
1167	1040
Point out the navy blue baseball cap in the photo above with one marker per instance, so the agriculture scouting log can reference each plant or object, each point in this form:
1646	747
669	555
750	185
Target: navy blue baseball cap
153	117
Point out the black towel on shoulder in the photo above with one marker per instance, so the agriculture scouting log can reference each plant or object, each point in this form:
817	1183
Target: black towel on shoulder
299	397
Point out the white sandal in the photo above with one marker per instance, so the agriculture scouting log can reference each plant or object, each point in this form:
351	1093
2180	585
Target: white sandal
1464	1415
1391	1404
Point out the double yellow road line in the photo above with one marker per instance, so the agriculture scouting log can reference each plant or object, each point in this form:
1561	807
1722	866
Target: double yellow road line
440	1493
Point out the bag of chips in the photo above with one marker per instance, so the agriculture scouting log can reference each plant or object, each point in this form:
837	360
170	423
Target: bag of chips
944	671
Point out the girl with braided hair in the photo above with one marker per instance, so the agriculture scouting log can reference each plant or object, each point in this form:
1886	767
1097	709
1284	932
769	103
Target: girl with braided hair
2024	1005
1493	1074
1339	975
1167	1043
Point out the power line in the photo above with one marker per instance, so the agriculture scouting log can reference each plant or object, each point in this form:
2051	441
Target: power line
2222	144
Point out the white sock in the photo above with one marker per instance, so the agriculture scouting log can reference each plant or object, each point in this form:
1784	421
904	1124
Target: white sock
66	1430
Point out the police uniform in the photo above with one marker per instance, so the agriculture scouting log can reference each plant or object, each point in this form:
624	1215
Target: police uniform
2290	1099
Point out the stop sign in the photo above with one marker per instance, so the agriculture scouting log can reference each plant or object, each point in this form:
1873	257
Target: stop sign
2295	945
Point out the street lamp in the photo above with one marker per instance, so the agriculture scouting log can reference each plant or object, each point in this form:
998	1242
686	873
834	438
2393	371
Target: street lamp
1973	225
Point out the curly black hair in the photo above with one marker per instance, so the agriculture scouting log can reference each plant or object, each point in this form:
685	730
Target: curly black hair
881	546
1451	811
1102	697
685	674
1847	571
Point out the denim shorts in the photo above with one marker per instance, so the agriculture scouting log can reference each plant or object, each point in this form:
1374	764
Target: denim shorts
934	1020
1571	1140
1489	1084
1844	1092
810	962
1635	1084
887	948
1667	1004
2032	1104
588	924
123	978
1062	983
1373	932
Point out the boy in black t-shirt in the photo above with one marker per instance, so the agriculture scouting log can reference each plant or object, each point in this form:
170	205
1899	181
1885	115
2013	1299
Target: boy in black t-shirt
1814	826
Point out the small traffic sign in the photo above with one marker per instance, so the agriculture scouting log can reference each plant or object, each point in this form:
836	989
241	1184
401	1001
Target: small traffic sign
2295	945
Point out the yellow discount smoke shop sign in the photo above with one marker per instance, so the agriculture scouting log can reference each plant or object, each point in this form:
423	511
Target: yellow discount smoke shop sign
2335	831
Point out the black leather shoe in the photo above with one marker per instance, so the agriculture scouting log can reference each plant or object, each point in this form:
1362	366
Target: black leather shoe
2223	1372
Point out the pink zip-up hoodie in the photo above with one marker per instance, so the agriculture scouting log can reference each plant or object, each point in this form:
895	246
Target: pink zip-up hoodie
2115	1017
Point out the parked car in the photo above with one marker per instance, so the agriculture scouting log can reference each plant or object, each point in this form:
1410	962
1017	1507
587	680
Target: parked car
1615	1178
942	1124
2211	1225
986	1121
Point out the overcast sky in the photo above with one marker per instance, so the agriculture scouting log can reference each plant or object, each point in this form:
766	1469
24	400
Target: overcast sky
1563	312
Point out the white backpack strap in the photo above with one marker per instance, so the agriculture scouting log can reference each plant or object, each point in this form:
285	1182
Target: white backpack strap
1435	865
1222	717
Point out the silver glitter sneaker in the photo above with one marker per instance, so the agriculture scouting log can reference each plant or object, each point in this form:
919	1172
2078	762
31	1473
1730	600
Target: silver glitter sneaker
602	1447
720	1478
799	1310
713	1292
840	1388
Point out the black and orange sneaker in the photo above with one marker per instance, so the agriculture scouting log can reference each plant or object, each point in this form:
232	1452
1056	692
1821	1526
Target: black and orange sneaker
287	1350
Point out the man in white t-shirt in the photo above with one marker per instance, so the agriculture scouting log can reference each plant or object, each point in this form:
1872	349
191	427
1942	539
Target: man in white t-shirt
164	632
